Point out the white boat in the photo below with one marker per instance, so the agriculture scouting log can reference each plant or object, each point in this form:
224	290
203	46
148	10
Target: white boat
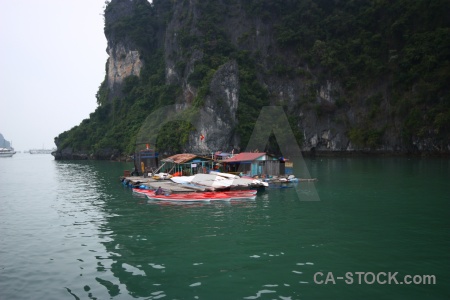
41	151
182	179
220	181
5	152
212	181
242	181
283	179
226	175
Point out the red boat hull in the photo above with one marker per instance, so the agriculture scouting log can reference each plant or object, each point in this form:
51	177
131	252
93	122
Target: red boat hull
199	197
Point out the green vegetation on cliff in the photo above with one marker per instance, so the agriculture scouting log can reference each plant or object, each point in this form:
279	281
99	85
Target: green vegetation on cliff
117	119
390	57
402	44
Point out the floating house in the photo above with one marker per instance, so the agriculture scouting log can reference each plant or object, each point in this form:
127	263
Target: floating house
253	164
186	164
145	160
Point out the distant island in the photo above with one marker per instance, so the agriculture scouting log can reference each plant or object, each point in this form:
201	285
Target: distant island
4	143
351	77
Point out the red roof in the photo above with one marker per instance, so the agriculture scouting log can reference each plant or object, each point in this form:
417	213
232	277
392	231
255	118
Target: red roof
245	156
184	158
180	158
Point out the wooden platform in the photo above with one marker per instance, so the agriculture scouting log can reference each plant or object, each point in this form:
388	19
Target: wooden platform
172	187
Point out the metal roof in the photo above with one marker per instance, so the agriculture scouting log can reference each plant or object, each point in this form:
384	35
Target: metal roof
223	154
183	158
245	156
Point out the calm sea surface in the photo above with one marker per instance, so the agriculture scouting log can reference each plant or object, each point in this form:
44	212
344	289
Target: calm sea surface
70	230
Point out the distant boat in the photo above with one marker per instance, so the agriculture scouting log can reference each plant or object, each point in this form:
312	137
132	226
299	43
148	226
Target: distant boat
41	151
5	152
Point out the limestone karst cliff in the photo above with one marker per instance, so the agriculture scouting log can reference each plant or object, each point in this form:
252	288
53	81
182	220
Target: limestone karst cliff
350	76
4	143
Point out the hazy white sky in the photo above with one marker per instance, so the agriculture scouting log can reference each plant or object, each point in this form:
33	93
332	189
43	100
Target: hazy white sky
52	61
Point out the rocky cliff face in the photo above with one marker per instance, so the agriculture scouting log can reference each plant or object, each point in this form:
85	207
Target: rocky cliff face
324	125
122	62
217	118
223	58
124	58
218	121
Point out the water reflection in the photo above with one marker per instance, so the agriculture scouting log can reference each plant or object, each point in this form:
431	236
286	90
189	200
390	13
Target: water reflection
194	204
82	199
117	245
94	239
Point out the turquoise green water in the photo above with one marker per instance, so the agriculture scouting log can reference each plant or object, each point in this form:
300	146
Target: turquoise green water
70	230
